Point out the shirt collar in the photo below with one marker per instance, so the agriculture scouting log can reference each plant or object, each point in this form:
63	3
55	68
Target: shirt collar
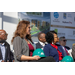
55	46
2	44
43	44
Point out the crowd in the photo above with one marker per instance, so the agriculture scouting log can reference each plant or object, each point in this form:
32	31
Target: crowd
24	46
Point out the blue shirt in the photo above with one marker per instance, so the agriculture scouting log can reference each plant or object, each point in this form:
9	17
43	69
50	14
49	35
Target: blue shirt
3	50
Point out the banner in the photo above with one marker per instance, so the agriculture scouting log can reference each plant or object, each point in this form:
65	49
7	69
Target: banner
39	21
35	13
64	24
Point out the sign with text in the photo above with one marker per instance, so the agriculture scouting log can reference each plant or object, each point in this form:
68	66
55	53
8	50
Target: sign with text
64	24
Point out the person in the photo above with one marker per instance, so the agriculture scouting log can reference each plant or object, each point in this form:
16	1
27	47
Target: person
51	49
73	51
62	42
6	54
65	48
42	41
22	44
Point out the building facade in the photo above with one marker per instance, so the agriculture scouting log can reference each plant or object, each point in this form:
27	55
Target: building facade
8	22
39	21
62	22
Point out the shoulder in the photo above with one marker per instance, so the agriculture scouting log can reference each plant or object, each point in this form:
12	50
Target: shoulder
37	43
58	44
17	40
73	46
6	43
47	46
18	37
67	47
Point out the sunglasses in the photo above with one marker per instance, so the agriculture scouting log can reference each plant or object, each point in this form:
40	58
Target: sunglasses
64	40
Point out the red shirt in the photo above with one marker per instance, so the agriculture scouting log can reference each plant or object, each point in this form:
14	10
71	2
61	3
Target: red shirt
60	54
31	49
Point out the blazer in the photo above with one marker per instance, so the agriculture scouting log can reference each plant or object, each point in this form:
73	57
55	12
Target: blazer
38	45
8	54
51	51
73	52
68	48
20	48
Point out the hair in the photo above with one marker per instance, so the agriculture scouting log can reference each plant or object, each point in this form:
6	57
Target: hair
61	38
50	36
53	32
21	29
29	37
39	35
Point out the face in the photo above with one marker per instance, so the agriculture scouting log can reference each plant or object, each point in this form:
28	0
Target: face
28	30
56	39
42	39
63	42
3	35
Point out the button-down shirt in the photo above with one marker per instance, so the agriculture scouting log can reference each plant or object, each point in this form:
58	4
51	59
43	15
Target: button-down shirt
43	44
3	50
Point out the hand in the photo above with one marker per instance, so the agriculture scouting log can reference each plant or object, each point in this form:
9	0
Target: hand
2	61
36	57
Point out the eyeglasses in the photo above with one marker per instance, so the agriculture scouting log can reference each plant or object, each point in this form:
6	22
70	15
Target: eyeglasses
56	37
6	34
64	40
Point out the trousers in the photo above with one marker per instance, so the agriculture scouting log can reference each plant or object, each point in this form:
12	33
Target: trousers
44	59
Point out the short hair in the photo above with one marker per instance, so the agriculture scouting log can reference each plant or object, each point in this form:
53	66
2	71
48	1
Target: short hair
61	38
39	35
50	36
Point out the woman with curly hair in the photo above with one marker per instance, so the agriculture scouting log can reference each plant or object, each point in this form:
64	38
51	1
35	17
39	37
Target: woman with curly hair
51	49
21	41
22	44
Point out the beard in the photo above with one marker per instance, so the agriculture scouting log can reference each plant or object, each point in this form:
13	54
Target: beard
2	41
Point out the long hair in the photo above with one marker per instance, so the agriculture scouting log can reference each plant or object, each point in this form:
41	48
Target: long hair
21	29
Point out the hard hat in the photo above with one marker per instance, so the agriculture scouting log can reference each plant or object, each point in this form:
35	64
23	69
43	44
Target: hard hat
67	59
39	52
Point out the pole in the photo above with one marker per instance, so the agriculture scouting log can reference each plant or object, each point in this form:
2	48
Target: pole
2	19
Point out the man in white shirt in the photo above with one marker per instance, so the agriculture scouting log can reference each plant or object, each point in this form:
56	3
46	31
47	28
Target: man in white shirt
65	48
42	41
5	52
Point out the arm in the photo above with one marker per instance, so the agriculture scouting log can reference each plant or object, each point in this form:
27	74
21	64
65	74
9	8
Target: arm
23	57
18	48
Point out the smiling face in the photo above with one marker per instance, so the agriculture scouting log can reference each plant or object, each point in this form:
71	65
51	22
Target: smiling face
42	38
3	35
